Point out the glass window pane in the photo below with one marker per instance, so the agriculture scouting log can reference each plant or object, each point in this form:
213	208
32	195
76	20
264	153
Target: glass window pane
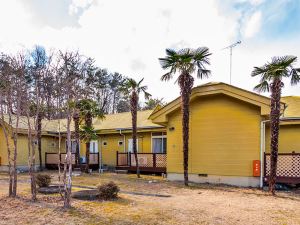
156	145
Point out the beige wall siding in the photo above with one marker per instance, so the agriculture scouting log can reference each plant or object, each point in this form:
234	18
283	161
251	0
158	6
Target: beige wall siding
3	148
289	138
110	150
49	144
224	137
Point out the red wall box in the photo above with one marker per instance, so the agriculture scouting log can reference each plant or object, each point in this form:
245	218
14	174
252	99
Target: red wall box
256	168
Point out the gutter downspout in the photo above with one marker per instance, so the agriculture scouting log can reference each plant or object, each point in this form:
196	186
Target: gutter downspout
263	143
100	155
262	150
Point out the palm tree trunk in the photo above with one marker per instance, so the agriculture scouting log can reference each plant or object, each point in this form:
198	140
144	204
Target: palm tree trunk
88	123
133	107
275	117
186	83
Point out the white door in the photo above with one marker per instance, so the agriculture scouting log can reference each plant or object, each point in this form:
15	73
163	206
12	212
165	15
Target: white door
130	145
94	147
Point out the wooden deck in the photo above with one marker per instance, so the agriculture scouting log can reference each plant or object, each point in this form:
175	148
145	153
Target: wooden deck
52	160
288	168
148	162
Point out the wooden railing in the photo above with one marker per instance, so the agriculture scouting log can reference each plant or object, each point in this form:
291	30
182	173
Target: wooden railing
288	167
150	162
52	159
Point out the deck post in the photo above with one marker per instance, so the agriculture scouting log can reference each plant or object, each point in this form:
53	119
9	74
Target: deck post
129	159
117	158
154	160
265	166
46	159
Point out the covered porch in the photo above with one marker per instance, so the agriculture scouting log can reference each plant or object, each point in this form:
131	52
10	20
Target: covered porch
52	160
148	162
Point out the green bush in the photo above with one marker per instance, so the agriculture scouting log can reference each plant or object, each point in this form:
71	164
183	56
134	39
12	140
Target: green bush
108	191
43	180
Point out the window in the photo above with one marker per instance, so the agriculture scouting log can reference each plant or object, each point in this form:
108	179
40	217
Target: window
73	146
130	145
94	147
159	142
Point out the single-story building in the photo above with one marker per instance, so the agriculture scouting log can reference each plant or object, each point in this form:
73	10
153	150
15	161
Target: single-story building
229	138
227	135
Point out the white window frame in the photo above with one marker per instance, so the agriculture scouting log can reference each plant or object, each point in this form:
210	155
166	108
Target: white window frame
72	141
137	145
96	146
162	136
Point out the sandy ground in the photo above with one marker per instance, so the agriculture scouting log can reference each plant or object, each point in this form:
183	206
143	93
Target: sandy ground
198	204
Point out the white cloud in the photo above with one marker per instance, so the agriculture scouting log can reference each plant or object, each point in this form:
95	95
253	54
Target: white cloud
78	4
130	36
253	24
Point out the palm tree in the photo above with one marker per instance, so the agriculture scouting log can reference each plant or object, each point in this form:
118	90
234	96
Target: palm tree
133	89
272	74
88	109
185	61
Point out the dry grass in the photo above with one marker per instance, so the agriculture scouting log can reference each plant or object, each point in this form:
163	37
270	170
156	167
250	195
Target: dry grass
198	204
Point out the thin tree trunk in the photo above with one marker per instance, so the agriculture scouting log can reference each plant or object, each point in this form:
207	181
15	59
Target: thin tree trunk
68	167
186	83
31	160
7	141
133	104
10	192
39	138
87	155
15	138
275	117
76	135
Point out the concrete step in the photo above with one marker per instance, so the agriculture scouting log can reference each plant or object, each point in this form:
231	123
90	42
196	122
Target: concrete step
121	171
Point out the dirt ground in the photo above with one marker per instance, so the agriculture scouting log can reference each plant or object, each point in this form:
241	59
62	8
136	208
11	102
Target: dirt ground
198	204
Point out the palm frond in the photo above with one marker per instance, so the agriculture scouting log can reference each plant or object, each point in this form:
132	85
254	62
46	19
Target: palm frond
139	83
147	95
202	54
171	52
167	76
186	60
262	87
295	76
203	73
259	70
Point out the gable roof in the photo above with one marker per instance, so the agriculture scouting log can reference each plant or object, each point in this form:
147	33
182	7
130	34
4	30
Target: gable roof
292	106
212	88
118	121
121	121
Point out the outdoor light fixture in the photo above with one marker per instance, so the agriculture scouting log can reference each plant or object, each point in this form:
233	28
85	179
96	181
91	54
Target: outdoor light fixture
171	128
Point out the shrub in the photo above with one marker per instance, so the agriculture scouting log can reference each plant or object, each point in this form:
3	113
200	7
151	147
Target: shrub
108	191
43	180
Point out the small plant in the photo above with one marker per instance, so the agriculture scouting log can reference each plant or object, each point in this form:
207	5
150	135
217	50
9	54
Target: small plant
108	191
43	180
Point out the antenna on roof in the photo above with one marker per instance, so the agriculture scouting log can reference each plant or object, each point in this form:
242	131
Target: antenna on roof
230	47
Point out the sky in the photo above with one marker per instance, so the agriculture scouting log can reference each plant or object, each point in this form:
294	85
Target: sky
128	36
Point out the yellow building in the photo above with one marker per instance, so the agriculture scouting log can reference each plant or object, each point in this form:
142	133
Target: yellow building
229	136
114	134
225	135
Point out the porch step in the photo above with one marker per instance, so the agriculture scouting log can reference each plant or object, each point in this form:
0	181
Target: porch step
121	171
76	171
